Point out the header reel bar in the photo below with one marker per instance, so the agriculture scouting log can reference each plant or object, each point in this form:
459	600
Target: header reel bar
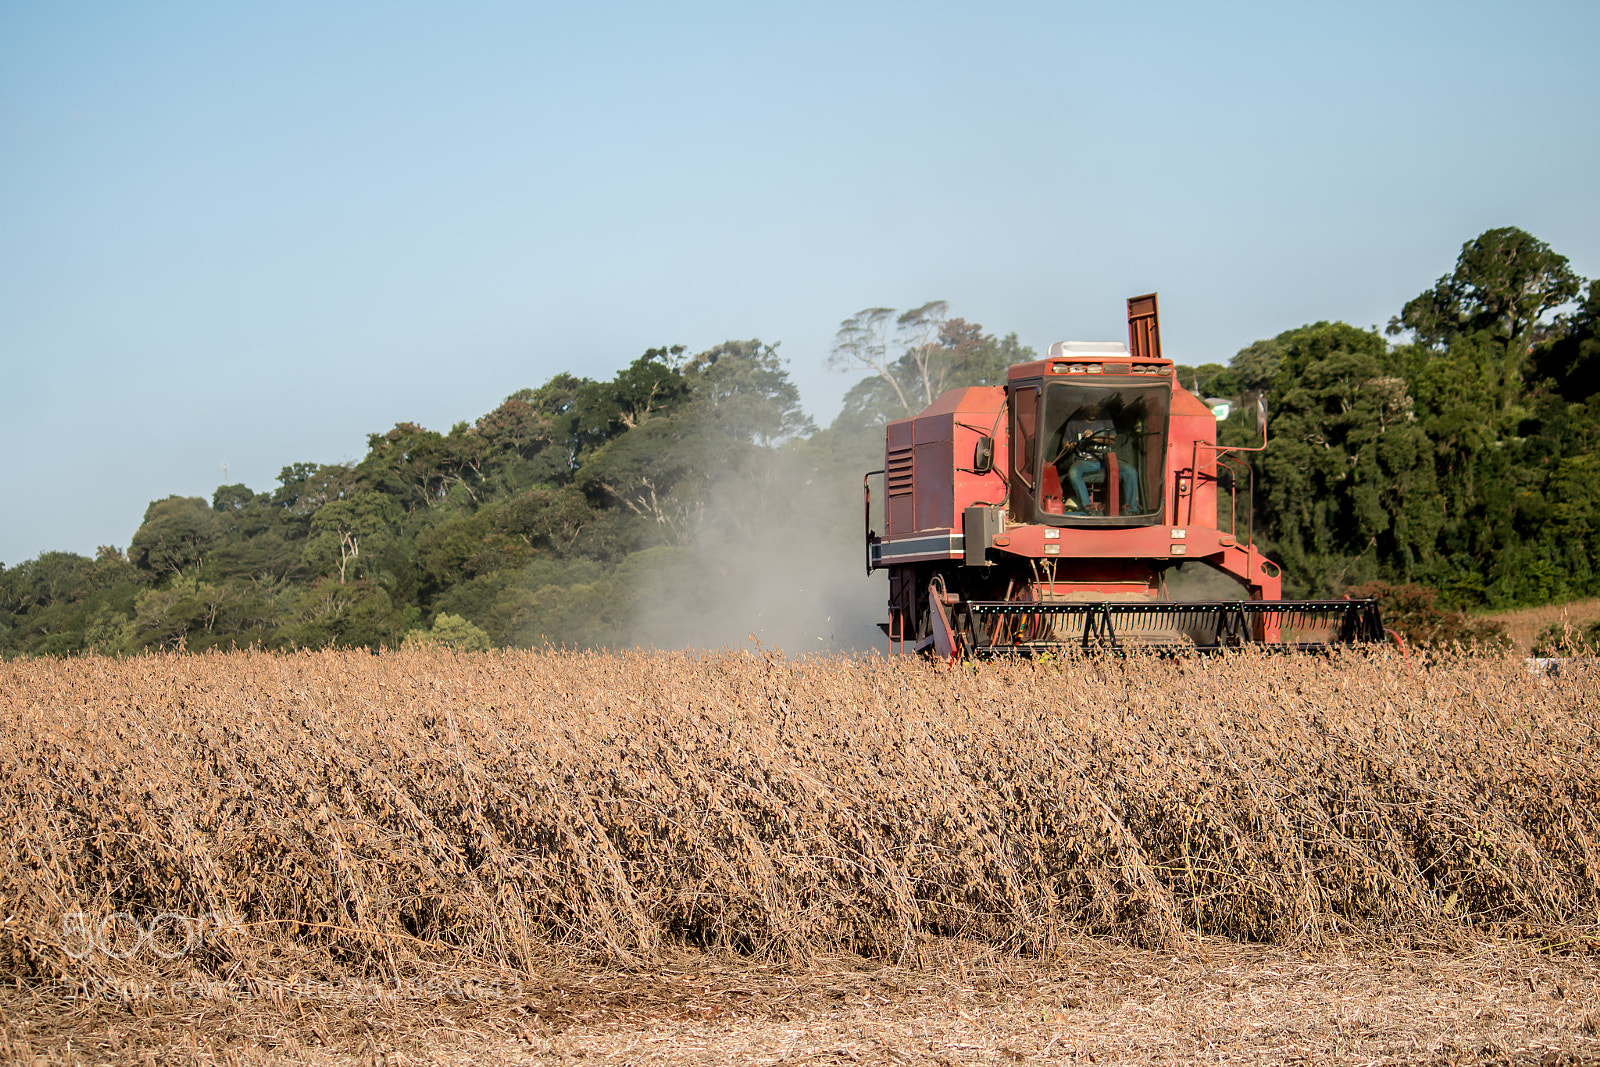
1032	627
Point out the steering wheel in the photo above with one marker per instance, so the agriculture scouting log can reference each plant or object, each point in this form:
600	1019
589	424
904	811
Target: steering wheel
1094	442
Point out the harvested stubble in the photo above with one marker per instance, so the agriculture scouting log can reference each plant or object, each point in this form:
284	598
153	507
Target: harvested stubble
384	814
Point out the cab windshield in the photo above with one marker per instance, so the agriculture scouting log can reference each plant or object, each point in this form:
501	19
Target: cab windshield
1101	453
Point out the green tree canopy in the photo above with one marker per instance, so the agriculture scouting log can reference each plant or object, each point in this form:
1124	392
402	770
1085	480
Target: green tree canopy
1350	490
742	391
1255	365
1504	283
346	534
450	631
1570	358
175	535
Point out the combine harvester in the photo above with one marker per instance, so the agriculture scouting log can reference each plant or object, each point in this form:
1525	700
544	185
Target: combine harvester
1048	514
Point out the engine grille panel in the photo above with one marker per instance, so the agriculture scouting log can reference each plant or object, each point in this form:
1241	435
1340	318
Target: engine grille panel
898	472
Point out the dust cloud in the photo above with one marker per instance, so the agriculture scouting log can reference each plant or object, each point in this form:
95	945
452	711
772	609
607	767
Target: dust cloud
779	556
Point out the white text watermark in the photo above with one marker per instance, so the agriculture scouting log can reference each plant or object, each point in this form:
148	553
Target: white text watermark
122	936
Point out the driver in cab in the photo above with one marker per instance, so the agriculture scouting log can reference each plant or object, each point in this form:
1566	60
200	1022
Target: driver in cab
1086	438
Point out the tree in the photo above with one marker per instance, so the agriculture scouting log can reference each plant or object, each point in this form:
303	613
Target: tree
231	498
741	390
109	633
546	517
49	578
651	385
292	482
463	545
917	365
1255	365
1210	379
420	467
586	414
658	472
1504	283
972	357
357	614
1571	358
517	425
1494	370
918	333
174	537
1350	490
342	528
305	487
450	631
863	341
930	354
188	613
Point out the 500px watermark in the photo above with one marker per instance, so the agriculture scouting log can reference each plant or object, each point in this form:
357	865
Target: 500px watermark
122	936
388	990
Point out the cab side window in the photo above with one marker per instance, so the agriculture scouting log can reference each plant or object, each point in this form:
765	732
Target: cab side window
1025	424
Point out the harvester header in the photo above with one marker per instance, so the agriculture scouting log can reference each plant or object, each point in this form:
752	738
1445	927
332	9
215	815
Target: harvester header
1050	511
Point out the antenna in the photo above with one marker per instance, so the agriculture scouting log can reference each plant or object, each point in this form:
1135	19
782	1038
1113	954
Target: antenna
224	472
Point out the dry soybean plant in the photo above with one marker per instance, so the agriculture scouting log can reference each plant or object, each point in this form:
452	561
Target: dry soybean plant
346	813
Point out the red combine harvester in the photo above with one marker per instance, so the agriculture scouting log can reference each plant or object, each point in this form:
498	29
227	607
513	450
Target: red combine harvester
1049	513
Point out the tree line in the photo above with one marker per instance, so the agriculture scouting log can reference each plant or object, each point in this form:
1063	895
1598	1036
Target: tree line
1460	452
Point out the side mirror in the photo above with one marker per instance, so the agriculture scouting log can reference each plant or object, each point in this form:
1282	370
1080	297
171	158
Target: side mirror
983	455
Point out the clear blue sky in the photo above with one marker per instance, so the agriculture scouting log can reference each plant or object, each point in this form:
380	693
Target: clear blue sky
256	233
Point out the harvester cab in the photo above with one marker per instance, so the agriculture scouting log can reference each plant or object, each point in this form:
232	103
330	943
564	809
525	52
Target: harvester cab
1051	511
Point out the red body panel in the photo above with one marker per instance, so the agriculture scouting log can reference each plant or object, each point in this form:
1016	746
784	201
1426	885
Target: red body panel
1193	499
940	442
